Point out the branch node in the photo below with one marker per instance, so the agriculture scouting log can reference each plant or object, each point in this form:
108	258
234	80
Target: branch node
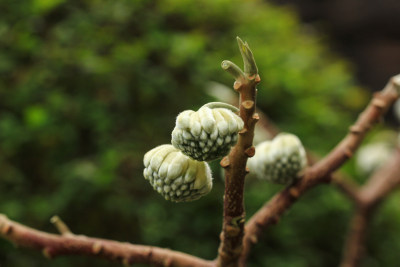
248	104
294	192
378	103
243	131
250	152
251	77
253	239
237	85
355	129
348	153
6	229
233	69
256	117
247	170
149	253
167	262
225	162
97	248
60	226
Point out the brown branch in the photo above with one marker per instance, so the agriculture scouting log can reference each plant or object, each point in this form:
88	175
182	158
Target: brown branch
235	163
320	172
354	248
54	245
385	180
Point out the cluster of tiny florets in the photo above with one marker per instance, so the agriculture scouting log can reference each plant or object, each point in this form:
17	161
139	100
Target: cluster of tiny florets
179	171
175	176
280	160
207	134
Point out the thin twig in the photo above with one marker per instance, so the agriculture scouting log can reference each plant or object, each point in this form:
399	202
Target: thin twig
60	225
55	245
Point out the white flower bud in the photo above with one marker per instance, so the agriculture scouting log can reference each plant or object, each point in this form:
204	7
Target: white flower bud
175	176
372	156
280	160
207	134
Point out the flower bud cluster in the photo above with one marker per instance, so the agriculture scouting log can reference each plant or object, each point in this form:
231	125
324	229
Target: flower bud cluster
175	176
280	160
179	171
207	134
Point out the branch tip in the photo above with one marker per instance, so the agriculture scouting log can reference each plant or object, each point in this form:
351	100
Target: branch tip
250	67
97	248
60	225
232	69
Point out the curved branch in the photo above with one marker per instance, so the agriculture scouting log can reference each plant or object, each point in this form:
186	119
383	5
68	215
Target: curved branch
55	245
320	172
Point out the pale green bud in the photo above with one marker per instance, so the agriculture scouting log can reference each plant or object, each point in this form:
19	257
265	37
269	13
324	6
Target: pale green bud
208	133
175	176
280	160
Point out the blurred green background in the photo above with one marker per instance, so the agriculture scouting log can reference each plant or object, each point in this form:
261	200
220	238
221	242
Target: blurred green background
88	86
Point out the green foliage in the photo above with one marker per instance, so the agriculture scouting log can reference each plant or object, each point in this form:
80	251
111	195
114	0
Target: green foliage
87	87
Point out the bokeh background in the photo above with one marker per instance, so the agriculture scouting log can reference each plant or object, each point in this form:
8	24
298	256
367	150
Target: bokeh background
88	86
